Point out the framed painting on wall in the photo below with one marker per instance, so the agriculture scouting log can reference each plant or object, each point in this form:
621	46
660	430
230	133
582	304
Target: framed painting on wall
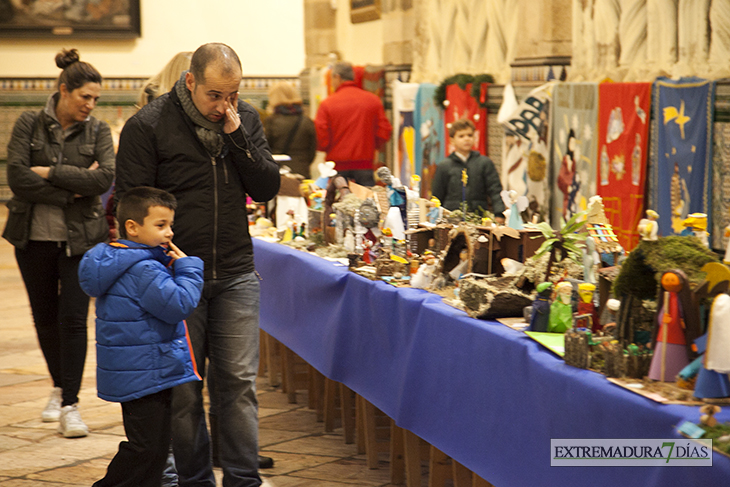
364	10
70	18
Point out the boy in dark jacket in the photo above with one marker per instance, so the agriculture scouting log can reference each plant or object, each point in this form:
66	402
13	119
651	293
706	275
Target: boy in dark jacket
483	186
145	287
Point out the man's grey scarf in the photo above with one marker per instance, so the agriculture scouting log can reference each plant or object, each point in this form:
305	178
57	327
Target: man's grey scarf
208	132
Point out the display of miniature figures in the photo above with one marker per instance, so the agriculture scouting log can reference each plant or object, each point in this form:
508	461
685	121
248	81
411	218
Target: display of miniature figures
696	224
610	316
540	318
676	327
561	311
590	260
515	205
435	211
396	192
648	227
708	412
712	379
458	271
326	171
586	306
425	273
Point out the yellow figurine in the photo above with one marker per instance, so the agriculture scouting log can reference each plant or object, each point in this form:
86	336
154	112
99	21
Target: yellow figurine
696	224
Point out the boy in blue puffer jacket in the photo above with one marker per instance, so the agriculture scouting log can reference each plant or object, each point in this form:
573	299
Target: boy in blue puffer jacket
145	287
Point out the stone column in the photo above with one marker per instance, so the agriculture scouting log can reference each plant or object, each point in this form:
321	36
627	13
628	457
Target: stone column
320	33
544	39
399	30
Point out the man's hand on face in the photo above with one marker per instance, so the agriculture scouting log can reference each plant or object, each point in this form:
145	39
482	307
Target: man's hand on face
233	121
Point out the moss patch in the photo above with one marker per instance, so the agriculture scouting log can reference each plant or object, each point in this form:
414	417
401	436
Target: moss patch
641	271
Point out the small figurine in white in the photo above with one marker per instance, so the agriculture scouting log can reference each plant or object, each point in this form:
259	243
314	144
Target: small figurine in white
461	267
648	227
515	206
423	277
591	260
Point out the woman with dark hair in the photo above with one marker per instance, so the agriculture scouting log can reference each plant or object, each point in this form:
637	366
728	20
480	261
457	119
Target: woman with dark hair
60	160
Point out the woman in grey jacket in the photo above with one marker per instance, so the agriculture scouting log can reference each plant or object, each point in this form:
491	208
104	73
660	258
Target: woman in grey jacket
60	161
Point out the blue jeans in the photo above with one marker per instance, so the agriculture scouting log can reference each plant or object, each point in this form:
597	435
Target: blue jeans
224	328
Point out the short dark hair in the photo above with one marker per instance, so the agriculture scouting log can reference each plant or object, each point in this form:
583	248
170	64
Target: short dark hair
214	52
344	70
135	205
75	73
461	124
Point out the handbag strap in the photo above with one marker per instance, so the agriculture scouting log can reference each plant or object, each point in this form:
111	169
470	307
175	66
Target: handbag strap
292	133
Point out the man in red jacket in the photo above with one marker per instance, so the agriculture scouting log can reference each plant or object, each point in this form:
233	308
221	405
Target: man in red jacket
351	125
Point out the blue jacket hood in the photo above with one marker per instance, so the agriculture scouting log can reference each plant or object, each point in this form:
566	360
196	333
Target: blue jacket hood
105	263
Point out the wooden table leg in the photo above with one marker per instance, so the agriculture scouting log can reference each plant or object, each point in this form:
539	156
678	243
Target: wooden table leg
346	410
439	468
412	458
463	477
397	455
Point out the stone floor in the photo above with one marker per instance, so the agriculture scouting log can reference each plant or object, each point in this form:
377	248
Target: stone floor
33	454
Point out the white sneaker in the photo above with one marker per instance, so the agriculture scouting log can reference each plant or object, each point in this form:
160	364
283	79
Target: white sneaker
70	423
53	408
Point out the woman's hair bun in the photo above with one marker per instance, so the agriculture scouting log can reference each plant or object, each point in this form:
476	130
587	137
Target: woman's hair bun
67	57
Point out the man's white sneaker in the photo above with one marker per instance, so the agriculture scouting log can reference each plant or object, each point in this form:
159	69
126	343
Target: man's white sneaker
53	408
70	423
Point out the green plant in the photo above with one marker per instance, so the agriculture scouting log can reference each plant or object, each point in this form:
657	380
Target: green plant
568	241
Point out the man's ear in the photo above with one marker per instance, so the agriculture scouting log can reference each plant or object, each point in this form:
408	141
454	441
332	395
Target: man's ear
132	228
190	80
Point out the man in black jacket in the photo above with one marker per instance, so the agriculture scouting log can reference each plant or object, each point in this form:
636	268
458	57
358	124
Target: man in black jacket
202	144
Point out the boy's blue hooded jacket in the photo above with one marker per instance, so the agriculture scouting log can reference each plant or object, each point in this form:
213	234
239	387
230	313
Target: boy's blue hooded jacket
142	345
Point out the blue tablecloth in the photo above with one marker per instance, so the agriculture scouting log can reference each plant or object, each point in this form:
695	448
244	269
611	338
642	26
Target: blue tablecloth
484	394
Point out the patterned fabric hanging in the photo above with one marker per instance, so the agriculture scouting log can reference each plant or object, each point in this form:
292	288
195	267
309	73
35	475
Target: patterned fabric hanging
428	121
575	120
623	131
681	174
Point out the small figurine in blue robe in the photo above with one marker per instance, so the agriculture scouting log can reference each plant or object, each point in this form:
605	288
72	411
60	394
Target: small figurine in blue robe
541	308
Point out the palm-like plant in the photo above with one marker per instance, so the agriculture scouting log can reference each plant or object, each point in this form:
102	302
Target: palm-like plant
568	241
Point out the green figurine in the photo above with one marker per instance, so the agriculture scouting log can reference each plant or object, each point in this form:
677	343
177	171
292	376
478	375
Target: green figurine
561	311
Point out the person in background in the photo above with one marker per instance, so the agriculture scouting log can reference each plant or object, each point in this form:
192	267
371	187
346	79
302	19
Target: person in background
145	287
288	130
206	147
351	125
163	81
60	161
482	187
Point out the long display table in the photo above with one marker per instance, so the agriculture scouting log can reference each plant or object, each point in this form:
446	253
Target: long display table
484	394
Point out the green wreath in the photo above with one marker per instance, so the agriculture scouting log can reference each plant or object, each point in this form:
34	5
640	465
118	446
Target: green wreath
462	80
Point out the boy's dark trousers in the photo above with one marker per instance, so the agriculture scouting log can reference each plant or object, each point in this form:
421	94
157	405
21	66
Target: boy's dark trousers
141	459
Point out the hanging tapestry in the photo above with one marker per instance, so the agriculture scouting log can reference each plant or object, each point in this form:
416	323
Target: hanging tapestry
428	120
575	120
373	80
623	131
681	173
720	186
460	104
526	150
404	96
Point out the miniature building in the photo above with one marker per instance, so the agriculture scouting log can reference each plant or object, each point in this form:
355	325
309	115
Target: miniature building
577	347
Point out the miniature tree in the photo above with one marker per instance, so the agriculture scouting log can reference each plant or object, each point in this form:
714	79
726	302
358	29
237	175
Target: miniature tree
567	241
